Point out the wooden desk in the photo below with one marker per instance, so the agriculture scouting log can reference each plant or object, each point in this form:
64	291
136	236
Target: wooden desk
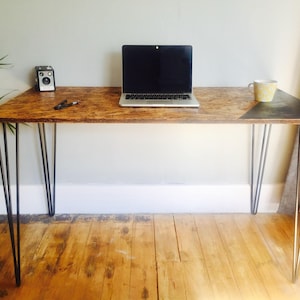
100	105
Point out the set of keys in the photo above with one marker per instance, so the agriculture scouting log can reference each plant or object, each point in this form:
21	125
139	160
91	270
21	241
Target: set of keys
65	104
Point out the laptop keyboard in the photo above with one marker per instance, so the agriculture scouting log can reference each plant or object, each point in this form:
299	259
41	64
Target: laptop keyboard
158	96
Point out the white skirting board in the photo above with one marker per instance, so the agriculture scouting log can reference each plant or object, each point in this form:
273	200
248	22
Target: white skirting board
118	199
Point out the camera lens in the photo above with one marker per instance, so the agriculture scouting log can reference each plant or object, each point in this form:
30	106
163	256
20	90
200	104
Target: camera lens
46	80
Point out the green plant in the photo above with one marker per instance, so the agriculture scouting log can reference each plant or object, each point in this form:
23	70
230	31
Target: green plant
5	65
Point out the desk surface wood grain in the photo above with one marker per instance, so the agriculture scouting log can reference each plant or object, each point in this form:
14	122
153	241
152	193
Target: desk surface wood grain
101	105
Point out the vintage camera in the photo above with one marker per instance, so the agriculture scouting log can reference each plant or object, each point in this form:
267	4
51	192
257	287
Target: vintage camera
45	80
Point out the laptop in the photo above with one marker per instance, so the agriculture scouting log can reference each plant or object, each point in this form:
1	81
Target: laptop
157	76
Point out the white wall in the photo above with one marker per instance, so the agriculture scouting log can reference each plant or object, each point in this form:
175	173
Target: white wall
130	168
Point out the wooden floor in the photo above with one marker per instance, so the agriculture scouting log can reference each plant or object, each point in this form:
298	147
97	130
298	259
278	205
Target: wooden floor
194	256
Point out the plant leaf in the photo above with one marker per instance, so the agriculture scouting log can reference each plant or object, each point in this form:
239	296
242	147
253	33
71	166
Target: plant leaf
11	127
1	97
3	57
2	64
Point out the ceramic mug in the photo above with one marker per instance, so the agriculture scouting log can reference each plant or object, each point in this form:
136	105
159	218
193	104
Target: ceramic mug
264	90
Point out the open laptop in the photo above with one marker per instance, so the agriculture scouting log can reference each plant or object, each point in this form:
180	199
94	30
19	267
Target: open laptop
157	76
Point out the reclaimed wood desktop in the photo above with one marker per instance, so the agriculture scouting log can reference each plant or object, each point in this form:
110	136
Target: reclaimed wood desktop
101	105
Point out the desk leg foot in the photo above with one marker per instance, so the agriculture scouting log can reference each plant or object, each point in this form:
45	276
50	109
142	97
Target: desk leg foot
296	253
5	176
50	188
255	189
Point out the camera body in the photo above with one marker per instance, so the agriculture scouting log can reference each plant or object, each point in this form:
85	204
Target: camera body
45	80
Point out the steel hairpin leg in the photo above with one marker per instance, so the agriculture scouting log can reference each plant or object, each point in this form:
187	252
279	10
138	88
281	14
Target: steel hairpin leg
256	188
296	253
5	176
50	194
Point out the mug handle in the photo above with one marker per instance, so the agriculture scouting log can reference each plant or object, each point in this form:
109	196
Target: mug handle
250	87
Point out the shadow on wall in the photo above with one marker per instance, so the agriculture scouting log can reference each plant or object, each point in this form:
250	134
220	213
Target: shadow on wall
296	81
113	69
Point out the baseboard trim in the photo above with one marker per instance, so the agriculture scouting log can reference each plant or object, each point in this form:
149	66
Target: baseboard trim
91	199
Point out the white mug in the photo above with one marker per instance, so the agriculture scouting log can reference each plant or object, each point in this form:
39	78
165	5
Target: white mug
264	90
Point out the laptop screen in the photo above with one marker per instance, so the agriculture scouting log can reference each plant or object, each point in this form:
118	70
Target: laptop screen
157	69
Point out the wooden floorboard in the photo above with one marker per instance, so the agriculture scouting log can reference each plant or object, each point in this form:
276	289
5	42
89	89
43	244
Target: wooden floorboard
180	256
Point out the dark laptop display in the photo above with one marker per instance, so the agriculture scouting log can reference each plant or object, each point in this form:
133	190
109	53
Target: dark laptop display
157	76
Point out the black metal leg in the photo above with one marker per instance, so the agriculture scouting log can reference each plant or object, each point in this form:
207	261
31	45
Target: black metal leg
5	176
296	253
256	188
50	193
